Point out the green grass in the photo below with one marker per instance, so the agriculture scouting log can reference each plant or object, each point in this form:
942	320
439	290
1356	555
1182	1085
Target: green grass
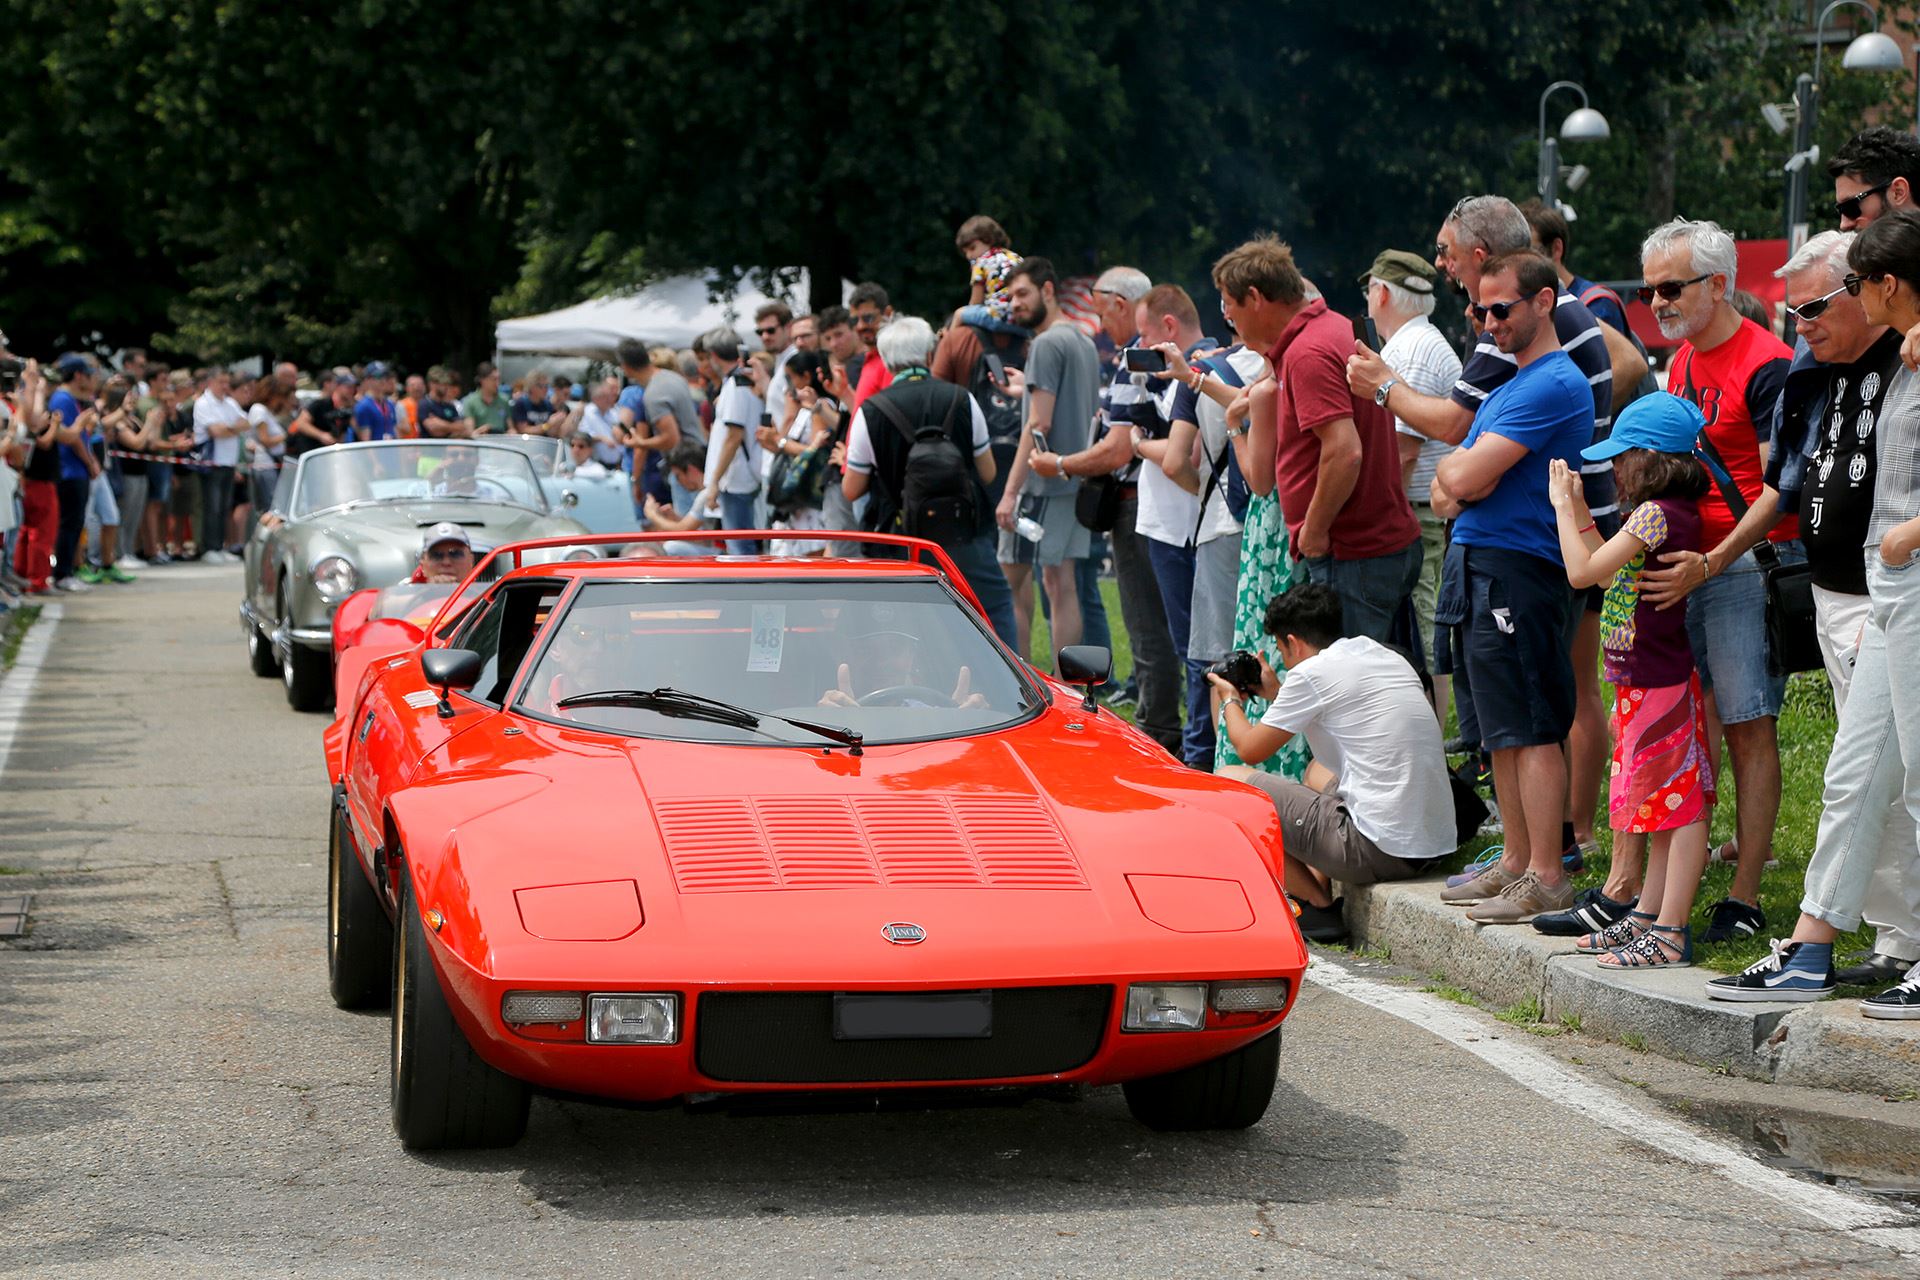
1041	652
14	630
1439	986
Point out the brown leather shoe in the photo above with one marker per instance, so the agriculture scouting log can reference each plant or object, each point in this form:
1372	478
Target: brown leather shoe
1487	884
1522	900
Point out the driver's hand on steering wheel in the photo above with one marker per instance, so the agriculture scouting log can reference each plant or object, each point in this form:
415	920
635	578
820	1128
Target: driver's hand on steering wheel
964	700
842	694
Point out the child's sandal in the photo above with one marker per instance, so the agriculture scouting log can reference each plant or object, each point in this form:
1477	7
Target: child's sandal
1617	934
1660	947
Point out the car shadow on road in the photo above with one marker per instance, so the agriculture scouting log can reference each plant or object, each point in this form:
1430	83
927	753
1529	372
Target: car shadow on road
1043	1156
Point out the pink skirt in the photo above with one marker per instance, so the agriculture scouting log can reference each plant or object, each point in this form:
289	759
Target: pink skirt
1662	775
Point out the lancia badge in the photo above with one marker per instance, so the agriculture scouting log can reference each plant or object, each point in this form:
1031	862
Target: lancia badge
902	933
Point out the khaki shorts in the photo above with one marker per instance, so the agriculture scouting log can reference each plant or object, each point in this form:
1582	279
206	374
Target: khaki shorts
1317	832
1065	538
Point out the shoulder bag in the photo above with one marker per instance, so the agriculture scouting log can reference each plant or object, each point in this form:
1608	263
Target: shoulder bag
1793	642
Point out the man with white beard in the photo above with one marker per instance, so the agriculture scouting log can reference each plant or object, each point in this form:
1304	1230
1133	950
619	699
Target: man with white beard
1734	370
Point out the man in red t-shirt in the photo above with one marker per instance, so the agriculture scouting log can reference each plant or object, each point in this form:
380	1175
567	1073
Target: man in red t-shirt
870	310
1336	462
1734	370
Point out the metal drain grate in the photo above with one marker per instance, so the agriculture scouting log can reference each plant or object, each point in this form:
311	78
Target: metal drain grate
13	915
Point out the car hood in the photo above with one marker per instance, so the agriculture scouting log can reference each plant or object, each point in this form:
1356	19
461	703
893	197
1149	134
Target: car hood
1074	840
383	541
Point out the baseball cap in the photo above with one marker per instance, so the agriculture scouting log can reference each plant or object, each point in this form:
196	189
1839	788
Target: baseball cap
445	531
1408	270
341	373
378	369
1662	422
69	365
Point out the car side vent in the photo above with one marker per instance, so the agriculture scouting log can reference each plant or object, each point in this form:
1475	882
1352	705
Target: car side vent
732	843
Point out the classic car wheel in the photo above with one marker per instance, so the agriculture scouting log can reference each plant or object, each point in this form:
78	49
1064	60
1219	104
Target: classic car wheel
260	652
359	935
1229	1092
443	1094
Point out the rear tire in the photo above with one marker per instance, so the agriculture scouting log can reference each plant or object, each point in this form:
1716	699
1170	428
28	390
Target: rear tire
260	652
443	1094
1229	1092
359	935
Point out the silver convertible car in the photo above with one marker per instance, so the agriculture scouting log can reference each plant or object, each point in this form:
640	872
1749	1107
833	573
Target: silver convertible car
603	502
352	516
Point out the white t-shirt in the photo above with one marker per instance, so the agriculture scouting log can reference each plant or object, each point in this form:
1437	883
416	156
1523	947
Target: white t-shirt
1365	716
1166	512
265	457
736	406
599	425
209	411
860	440
1421	357
776	401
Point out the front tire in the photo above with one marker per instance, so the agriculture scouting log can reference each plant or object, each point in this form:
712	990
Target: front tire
1229	1092
443	1094
260	652
359	935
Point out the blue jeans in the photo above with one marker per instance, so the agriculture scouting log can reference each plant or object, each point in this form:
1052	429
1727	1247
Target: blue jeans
1371	591
1727	626
1173	571
977	561
736	512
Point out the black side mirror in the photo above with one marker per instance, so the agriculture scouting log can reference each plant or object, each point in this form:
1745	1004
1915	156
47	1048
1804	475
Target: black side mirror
1086	665
451	669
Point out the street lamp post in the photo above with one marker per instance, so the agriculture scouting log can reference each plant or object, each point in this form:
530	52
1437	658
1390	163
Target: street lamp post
1869	51
1583	125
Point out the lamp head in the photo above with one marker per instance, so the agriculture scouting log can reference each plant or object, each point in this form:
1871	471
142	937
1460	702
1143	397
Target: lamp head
1874	51
1587	125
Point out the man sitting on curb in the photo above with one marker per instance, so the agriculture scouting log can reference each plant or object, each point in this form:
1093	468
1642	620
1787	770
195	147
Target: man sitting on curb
1376	804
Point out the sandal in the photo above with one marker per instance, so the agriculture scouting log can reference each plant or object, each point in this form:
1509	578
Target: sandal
1617	934
1657	948
1727	853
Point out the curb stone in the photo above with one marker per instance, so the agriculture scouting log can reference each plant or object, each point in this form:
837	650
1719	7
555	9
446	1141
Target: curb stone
1825	1045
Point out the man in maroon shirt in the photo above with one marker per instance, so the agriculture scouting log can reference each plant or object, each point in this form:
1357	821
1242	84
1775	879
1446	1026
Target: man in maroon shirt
1336	462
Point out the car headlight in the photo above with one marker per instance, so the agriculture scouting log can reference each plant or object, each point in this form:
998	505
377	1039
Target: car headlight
1166	1006
652	1018
335	579
1256	995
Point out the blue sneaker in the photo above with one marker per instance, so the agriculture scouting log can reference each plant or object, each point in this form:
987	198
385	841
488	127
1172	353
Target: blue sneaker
1770	978
1486	859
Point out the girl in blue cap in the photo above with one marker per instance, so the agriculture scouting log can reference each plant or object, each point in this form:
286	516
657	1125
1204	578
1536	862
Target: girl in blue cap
1662	780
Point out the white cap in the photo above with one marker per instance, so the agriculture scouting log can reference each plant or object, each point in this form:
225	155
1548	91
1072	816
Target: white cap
445	531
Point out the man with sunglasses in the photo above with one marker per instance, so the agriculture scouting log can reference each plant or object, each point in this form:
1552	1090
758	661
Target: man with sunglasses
1875	173
1734	370
773	325
869	310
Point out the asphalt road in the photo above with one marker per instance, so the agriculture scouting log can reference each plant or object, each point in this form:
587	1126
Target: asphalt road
178	1096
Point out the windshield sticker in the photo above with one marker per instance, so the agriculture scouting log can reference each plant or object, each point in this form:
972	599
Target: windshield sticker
769	637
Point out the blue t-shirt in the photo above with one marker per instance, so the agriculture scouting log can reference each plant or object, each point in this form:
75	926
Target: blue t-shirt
373	415
634	399
73	464
1548	407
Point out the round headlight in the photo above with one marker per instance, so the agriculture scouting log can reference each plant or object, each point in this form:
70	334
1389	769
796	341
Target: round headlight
335	579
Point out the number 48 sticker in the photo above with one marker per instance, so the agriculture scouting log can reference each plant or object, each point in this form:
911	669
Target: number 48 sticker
769	637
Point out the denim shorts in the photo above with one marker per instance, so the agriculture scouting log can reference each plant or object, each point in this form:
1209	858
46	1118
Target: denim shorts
1518	610
102	507
1727	626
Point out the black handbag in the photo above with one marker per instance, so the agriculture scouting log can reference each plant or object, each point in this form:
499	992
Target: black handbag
1793	636
1096	504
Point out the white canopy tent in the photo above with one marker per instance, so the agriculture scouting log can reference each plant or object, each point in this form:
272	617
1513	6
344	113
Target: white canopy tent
670	312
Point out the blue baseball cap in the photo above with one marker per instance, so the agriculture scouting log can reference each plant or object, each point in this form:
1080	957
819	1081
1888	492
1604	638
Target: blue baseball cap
1662	422
69	365
378	369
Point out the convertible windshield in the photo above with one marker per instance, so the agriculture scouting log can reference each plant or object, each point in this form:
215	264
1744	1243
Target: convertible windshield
893	660
417	471
545	452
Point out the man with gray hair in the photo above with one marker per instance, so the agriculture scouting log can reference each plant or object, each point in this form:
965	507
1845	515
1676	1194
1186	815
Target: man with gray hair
1822	468
883	435
1734	370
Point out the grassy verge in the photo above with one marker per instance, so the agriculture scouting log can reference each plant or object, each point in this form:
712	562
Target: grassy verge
13	630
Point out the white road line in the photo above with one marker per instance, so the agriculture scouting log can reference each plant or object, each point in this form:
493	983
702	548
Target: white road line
1872	1222
17	688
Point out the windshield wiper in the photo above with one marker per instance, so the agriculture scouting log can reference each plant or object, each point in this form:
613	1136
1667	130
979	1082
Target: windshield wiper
669	701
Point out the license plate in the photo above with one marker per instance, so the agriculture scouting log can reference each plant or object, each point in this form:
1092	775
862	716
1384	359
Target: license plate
937	1015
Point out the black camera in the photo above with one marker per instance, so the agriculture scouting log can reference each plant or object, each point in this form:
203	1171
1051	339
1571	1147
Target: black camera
1240	669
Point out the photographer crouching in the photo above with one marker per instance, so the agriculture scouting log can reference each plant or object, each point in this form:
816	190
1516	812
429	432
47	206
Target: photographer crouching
1375	804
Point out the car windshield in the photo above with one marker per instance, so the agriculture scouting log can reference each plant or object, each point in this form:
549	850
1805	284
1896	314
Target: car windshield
543	451
418	602
896	660
416	471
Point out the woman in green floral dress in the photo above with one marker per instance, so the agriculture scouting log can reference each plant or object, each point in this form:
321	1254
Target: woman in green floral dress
1266	570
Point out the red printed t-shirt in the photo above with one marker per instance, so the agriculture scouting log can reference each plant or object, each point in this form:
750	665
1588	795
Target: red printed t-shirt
874	376
1311	358
1736	386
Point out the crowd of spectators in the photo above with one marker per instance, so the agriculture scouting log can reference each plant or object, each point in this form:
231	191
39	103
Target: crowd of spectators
1331	533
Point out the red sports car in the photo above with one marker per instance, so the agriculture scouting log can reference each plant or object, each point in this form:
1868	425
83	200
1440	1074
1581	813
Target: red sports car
657	827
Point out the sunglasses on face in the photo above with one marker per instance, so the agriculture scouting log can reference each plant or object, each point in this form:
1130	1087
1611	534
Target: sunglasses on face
1669	290
766	331
1855	279
1808	312
1850	207
866	320
1498	310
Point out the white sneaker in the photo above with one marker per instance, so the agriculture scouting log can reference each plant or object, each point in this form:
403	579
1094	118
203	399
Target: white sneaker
71	584
216	557
130	562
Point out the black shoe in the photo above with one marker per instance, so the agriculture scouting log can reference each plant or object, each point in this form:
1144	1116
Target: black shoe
1728	920
1902	1001
1323	924
1592	911
1460	746
1875	969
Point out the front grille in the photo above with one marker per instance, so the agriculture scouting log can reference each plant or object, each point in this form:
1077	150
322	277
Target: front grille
786	1037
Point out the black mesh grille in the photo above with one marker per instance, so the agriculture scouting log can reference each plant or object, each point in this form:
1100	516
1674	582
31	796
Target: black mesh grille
786	1037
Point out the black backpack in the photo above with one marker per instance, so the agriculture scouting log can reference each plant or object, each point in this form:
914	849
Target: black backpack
1001	411
938	497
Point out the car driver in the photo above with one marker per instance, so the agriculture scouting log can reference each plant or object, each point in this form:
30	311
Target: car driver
446	558
885	662
456	477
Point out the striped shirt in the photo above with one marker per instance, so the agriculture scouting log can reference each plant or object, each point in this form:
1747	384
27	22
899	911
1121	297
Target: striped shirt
1896	488
1420	356
1488	368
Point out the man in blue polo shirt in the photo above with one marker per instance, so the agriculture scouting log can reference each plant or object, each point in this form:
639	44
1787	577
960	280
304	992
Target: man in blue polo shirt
1514	583
74	397
374	413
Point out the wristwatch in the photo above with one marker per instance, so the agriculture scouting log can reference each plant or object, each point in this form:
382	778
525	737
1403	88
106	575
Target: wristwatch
1380	393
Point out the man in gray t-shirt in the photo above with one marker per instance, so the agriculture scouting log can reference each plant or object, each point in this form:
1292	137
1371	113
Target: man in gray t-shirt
1061	389
671	415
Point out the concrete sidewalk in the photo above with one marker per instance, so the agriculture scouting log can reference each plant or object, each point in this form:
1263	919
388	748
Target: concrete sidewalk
1826	1045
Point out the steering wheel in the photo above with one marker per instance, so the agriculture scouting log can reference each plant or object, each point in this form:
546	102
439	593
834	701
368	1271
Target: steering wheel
896	695
506	494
